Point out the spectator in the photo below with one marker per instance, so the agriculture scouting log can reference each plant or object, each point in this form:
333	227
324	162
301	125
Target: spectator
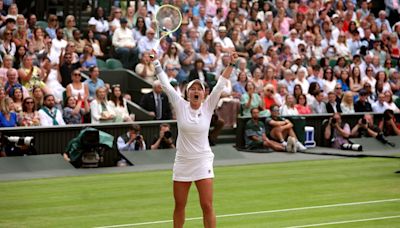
12	76
100	110
281	130
37	42
8	47
344	80
29	116
318	106
52	79
301	80
199	73
88	59
58	43
132	140
333	105
73	113
77	88
52	25
139	31
31	76
9	25
69	28
94	82
288	109
125	45
17	96
347	104
119	105
157	103
164	139
389	101
7	117
301	106
49	114
7	64
101	27
90	39
145	68
19	56
380	105
148	43
370	78
78	41
171	56
186	59
256	138
209	59
388	124
228	106
37	95
21	37
355	79
66	69
362	105
250	100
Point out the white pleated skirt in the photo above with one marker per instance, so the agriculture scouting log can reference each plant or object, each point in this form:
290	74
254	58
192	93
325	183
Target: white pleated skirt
193	169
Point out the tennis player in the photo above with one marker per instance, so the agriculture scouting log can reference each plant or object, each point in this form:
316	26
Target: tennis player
194	158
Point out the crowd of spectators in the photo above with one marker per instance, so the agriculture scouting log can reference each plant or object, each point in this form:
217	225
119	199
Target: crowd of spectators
303	56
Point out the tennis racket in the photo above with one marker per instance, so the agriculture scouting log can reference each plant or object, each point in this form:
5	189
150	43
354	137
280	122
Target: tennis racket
168	19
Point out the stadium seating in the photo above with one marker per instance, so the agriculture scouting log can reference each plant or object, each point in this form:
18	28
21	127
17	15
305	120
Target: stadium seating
101	64
42	24
114	64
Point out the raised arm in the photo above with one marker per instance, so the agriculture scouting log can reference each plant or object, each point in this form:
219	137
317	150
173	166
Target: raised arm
167	87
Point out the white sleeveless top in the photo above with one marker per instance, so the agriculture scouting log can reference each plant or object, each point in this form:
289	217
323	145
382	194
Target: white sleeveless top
76	92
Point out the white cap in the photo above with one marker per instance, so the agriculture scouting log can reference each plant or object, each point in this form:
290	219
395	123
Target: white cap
193	82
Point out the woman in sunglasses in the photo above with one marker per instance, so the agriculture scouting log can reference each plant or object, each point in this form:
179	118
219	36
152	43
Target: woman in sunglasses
29	116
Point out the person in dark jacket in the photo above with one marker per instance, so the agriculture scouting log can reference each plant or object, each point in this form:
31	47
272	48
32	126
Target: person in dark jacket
157	103
362	105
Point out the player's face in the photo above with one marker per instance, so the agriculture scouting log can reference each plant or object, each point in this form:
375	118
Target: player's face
196	94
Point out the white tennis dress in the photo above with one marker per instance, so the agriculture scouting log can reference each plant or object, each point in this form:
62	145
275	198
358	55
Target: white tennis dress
194	158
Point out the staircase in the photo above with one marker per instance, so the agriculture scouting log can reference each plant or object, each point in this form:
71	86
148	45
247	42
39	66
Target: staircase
227	136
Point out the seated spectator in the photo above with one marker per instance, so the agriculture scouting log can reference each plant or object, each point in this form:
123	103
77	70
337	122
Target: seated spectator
17	96
164	139
90	39
270	96
228	106
52	22
347	104
171	56
21	36
239	85
199	73
388	124
7	64
88	59
389	101
132	140
37	42
119	105
52	79
66	68
7	117
380	105
78	41
58	44
94	82
318	106
157	103
69	24
256	138
77	88
362	105
281	130
31	76
100	110
49	114
73	111
125	45
250	100
332	105
301	106
12	82
29	116
288	108
145	68
338	132
8	47
38	97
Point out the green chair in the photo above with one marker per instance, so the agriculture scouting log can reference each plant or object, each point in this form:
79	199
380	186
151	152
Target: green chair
332	62
42	24
101	64
114	64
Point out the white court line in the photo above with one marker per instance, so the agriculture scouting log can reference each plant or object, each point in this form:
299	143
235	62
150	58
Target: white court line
257	212
348	221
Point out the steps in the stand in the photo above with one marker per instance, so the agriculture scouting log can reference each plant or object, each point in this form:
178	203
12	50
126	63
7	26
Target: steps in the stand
228	135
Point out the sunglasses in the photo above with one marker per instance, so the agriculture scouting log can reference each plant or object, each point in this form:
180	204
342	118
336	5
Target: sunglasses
77	74
116	85
29	102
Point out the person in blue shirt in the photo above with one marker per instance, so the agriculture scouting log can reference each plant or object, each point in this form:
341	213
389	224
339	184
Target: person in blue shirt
7	117
94	82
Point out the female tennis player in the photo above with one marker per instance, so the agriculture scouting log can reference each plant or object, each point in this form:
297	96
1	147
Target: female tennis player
194	158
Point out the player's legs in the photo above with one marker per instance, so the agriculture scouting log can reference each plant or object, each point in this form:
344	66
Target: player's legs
181	191
205	189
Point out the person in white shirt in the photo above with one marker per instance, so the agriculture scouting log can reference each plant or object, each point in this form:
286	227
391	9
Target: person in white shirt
194	158
226	42
125	45
148	43
293	42
380	105
58	44
49	115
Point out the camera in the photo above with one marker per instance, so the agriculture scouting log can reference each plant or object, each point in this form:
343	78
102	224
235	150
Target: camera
363	121
167	134
333	121
138	137
21	141
351	146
